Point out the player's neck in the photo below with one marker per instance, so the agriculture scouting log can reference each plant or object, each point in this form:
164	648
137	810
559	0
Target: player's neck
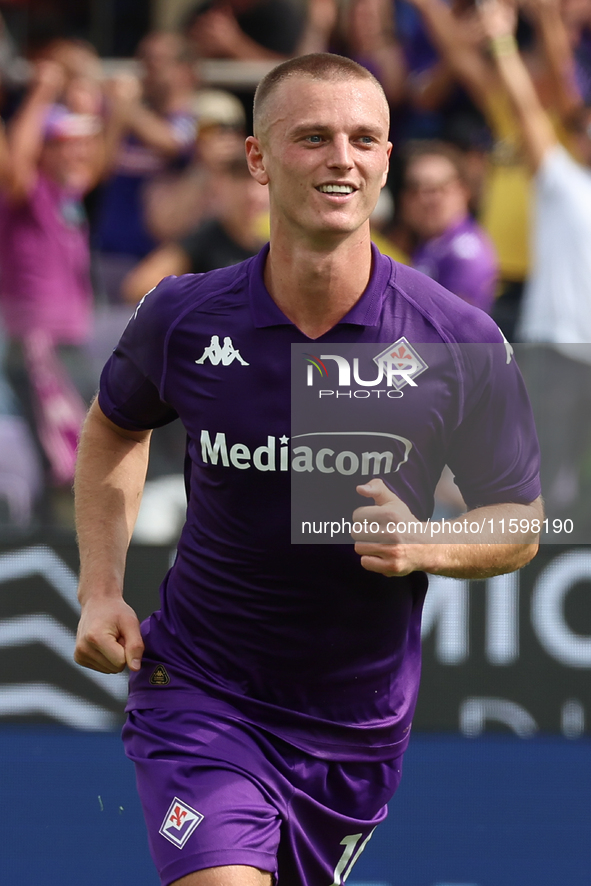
316	288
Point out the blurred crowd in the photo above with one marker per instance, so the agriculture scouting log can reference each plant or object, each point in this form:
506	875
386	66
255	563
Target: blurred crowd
110	181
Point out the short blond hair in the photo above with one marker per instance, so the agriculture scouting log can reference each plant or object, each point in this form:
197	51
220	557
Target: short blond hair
322	66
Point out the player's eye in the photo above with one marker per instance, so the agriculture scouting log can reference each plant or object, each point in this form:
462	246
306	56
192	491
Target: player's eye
314	139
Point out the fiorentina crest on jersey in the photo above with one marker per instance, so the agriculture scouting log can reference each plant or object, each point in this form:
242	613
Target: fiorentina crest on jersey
179	822
401	356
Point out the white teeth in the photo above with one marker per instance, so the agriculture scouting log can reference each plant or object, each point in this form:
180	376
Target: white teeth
336	189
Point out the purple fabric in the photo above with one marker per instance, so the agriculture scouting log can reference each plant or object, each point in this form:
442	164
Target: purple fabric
299	639
462	260
45	262
218	792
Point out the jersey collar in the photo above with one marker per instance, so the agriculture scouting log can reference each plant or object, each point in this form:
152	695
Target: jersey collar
366	311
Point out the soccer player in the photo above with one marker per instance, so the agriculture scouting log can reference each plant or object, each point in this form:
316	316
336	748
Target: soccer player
272	694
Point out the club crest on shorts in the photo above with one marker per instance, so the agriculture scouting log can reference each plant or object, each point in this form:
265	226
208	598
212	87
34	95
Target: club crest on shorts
179	823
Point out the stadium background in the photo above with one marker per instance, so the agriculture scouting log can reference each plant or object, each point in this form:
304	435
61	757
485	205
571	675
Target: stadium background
497	778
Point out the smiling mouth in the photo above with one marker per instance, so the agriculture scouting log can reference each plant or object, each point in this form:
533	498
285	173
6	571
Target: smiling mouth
335	189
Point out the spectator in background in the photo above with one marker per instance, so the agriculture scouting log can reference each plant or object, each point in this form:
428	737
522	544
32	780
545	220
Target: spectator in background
576	15
155	128
81	65
438	105
557	302
505	207
246	29
232	235
366	33
20	469
177	200
451	248
46	297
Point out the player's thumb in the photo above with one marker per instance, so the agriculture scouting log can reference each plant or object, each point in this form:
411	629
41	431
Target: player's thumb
377	490
133	644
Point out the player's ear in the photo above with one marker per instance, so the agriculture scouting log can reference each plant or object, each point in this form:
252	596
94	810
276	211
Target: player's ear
389	152
256	160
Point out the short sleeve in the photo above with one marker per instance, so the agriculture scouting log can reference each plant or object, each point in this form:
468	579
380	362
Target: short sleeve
130	391
494	452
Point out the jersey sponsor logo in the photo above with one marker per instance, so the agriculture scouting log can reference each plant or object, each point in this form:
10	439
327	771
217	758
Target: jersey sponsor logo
179	822
385	454
398	365
224	354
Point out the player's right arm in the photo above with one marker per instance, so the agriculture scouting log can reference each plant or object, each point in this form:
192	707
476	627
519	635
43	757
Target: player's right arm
110	476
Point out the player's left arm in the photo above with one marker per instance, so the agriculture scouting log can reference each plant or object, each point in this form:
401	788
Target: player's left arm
485	541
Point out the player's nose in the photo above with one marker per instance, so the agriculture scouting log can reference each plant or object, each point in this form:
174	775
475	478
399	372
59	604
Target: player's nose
341	153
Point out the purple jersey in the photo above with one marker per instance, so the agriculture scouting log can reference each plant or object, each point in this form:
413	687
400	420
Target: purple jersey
462	260
299	639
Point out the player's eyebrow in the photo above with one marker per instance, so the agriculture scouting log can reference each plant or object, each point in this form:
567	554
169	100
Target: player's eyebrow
323	128
304	128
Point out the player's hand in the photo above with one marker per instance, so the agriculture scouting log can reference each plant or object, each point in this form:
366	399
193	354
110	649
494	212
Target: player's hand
109	637
391	540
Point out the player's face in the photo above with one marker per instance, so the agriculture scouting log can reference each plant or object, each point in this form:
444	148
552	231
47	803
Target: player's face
324	154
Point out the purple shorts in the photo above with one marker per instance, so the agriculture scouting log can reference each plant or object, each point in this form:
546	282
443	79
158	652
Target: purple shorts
220	792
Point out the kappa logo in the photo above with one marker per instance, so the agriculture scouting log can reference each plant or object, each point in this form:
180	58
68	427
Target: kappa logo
179	823
402	362
224	354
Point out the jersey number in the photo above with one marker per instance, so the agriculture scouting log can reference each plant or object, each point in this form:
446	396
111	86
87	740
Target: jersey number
343	868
